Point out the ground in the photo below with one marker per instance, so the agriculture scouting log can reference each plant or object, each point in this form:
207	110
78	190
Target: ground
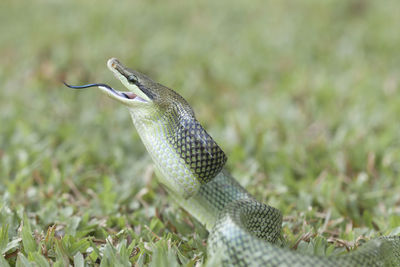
303	96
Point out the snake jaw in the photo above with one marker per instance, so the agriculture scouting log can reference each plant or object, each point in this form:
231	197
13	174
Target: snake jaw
126	97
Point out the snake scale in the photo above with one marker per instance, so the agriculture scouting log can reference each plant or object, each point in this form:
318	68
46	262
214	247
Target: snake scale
190	165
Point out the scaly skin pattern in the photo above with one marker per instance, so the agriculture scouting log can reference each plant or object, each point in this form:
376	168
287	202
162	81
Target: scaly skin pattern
190	164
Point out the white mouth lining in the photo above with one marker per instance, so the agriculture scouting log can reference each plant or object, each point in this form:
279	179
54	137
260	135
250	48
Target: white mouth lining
124	94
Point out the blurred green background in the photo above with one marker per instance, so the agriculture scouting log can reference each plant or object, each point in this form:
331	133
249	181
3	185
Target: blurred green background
303	96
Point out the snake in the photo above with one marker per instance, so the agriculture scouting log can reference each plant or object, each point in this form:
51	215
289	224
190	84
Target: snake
190	165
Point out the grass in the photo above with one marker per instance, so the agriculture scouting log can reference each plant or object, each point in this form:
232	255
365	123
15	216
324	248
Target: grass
303	96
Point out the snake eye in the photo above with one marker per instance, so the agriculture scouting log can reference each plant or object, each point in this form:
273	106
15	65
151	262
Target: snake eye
132	79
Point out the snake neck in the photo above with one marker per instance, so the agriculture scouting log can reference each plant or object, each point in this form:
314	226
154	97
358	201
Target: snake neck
170	168
184	154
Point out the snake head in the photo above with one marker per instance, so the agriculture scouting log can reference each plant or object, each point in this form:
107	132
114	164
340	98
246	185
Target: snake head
184	153
145	94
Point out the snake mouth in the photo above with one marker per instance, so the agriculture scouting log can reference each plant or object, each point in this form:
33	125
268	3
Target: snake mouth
109	89
131	79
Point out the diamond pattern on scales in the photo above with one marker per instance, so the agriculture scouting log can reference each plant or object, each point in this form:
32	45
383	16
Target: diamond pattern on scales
196	147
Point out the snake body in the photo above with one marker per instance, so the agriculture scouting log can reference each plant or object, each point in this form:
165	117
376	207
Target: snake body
190	165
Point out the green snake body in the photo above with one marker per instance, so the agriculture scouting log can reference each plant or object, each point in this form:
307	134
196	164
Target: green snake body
190	165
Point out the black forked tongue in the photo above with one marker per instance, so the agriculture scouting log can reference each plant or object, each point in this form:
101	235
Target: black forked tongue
97	85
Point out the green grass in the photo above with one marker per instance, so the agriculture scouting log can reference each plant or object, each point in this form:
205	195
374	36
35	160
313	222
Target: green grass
303	96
